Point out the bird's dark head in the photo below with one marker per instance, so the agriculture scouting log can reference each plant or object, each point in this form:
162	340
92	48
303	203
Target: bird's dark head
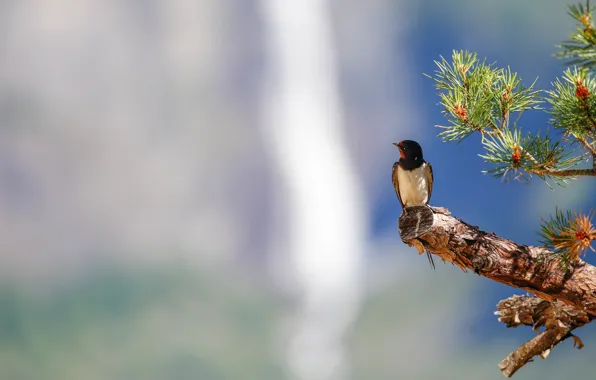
410	151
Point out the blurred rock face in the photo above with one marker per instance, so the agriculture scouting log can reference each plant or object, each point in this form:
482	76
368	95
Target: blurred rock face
115	131
129	131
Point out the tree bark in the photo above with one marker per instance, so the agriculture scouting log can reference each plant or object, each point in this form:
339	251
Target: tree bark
558	318
567	298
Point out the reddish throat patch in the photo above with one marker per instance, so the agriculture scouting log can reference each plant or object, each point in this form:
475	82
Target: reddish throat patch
401	154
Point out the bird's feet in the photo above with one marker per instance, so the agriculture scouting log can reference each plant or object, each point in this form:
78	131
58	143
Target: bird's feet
439	210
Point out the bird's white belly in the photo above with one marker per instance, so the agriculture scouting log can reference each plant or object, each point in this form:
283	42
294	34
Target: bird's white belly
413	188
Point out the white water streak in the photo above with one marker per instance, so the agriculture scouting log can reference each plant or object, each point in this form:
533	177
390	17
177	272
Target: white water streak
303	126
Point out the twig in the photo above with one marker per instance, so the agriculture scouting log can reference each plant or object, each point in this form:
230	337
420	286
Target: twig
540	345
528	154
558	318
590	148
566	172
591	119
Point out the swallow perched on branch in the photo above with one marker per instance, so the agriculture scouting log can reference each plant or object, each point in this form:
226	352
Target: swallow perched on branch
412	178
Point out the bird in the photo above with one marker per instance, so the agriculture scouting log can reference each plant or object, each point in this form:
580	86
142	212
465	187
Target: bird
412	178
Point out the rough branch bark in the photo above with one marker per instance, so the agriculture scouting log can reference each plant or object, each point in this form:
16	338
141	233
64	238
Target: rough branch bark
570	296
558	318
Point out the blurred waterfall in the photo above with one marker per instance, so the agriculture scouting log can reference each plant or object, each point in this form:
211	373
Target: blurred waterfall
320	189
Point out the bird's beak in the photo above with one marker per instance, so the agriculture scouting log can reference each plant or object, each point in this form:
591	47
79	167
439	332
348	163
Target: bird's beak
401	151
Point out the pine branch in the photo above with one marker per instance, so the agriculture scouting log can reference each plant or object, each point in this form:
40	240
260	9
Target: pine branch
558	318
566	172
478	97
522	157
532	269
568	236
540	345
482	98
525	267
590	147
581	47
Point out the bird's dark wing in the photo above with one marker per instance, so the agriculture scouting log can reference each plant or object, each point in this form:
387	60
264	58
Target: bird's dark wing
430	259
429	180
396	182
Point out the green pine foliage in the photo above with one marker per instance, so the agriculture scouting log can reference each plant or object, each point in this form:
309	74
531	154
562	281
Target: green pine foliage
573	107
478	97
567	236
551	234
581	47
